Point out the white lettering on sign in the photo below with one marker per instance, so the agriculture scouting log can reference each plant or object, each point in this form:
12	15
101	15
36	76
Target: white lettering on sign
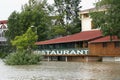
62	52
86	51
66	52
72	52
80	52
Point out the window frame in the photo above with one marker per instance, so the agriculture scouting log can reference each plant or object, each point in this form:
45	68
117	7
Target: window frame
104	44
117	44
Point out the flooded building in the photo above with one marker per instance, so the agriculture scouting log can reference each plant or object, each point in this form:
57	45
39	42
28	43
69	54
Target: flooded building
69	48
3	29
105	48
87	45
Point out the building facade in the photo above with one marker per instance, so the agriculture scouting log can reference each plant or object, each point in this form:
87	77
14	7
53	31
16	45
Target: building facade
69	48
88	45
105	48
3	28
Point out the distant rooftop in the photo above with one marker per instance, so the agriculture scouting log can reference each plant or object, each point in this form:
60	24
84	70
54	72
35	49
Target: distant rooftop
103	8
3	21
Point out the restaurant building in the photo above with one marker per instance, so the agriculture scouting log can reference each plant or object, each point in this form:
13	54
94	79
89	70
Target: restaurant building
105	48
87	45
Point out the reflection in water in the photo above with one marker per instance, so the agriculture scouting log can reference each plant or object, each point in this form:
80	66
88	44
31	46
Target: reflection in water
62	71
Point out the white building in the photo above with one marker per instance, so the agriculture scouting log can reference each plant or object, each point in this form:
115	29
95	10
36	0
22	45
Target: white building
3	28
86	20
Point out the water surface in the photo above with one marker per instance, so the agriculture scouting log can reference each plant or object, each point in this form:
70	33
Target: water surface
62	71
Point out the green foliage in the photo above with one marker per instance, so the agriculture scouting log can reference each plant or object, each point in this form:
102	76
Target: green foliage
34	13
25	41
24	44
3	55
39	14
4	51
13	26
66	17
57	31
109	22
68	8
97	20
22	58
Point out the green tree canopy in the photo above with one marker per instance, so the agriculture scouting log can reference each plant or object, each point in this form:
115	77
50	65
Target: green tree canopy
14	28
49	21
34	13
66	18
109	19
25	41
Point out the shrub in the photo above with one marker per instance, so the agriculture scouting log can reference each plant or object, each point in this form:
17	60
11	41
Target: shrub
3	55
22	58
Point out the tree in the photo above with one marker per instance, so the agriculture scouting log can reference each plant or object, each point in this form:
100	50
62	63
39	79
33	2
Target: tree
109	21
23	55
66	18
97	18
34	13
14	27
25	41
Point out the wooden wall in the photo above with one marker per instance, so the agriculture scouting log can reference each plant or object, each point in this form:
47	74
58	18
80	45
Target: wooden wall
109	50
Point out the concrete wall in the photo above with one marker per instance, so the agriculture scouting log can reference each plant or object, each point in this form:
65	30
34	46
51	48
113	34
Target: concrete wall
117	58
83	59
108	59
111	59
86	24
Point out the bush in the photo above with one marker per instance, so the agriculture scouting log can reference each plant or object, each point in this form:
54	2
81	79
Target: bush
22	58
3	55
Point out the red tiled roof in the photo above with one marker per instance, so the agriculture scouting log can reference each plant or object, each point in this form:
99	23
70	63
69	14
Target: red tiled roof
105	39
82	36
3	21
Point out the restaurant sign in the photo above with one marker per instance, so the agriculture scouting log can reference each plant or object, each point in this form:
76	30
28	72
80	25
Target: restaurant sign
63	52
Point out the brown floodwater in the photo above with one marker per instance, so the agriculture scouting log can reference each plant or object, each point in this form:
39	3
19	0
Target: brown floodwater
62	71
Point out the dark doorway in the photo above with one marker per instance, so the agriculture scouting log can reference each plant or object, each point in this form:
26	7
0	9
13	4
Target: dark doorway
61	58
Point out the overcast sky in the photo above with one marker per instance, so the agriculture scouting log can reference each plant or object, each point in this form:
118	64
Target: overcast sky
7	7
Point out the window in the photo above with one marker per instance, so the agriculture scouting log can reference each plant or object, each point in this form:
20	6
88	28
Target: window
117	44
85	44
104	45
85	15
77	45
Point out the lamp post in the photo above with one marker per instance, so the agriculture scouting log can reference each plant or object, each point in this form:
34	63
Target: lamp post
35	28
